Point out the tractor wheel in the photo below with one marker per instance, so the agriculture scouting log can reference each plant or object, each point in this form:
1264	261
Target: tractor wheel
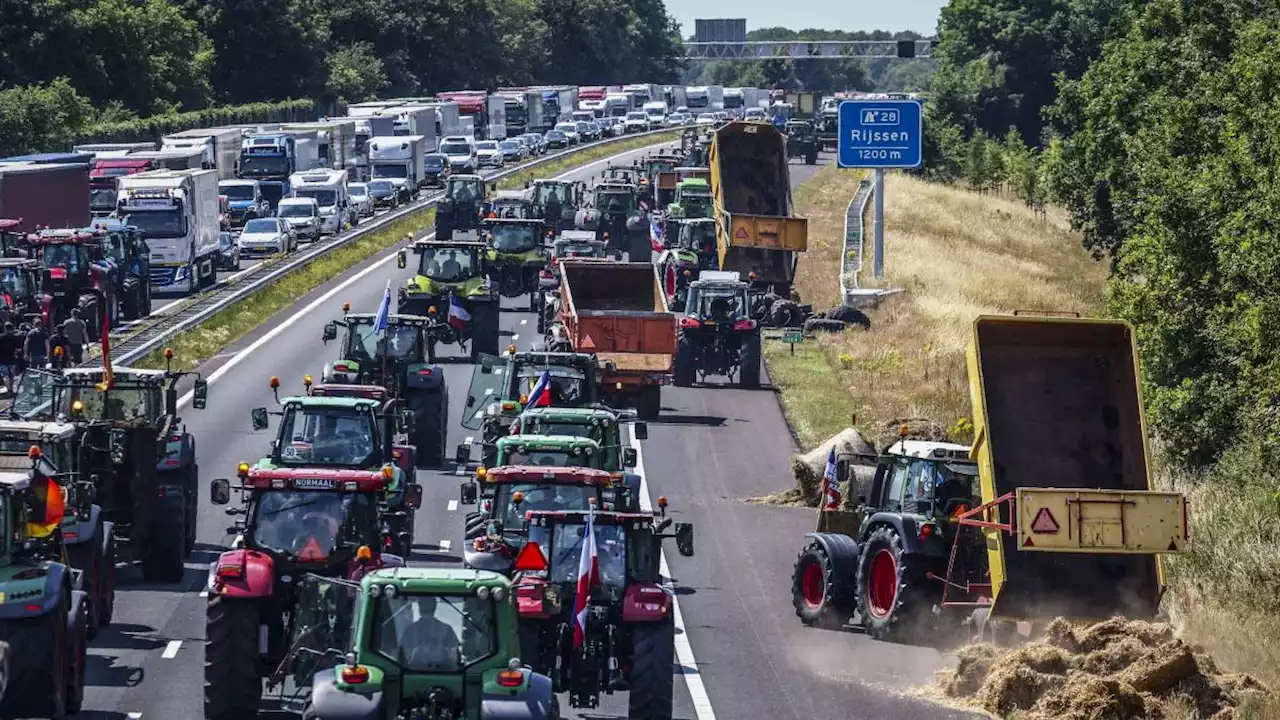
164	560
649	405
785	313
761	307
891	600
820	595
232	677
427	407
87	557
651	677
77	646
686	362
484	330
749	363
188	479
850	316
39	657
473	526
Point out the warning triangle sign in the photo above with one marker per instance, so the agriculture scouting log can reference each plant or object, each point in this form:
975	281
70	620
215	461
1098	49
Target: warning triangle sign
1027	542
587	343
1044	523
741	234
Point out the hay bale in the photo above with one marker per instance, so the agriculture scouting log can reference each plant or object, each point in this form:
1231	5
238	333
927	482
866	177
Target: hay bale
809	467
889	432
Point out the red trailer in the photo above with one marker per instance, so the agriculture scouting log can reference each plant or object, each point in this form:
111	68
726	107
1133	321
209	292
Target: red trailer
48	195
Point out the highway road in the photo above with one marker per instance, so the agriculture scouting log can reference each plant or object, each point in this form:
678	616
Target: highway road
742	652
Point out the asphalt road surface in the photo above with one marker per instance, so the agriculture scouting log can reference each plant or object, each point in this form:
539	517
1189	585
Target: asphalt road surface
741	651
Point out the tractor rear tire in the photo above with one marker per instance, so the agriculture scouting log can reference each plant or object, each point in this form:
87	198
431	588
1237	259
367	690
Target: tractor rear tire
232	675
686	372
892	602
473	526
851	316
785	313
820	594
484	329
651	681
38	664
749	363
427	406
165	559
87	557
649	404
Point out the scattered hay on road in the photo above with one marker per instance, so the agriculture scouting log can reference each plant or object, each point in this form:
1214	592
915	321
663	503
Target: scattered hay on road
1104	671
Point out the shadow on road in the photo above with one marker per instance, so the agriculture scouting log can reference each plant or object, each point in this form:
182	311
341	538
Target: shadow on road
703	420
102	671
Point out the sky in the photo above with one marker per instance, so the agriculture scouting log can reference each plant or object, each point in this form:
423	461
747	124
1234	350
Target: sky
849	15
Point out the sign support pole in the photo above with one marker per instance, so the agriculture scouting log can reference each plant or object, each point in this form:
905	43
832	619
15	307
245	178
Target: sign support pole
879	224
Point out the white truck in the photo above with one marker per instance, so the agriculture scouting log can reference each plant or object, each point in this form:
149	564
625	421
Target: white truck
329	189
656	112
221	147
102	151
335	143
415	120
448	119
373	107
617	105
698	99
400	159
642	94
735	102
675	97
188	158
177	212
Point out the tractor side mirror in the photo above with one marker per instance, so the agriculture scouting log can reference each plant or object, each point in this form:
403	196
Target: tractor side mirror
259	418
330	332
842	470
220	491
684	539
462	455
413	496
640	430
408	420
401	259
468	493
629	457
200	394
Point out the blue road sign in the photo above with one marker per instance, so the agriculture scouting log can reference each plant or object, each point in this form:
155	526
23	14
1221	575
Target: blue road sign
880	134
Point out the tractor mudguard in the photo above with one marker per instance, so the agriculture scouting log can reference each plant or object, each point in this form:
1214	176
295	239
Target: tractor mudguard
328	702
909	530
535	703
645	602
430	380
75	532
31	598
257	574
843	551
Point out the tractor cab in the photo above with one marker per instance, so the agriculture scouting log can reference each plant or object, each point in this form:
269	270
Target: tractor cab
602	426
615	216
75	274
508	205
451	282
127	248
802	140
715	300
556	202
692	200
690	248
447	264
13	241
367	355
460	208
717	335
516	255
20	283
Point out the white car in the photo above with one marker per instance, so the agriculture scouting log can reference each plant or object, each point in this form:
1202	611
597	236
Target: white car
489	153
636	122
264	236
359	194
461	151
676	119
303	215
707	120
570	130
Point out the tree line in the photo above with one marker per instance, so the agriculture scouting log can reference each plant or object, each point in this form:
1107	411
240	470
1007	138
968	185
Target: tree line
1155	125
70	65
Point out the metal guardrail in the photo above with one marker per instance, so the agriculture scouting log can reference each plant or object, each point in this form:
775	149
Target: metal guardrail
851	258
138	341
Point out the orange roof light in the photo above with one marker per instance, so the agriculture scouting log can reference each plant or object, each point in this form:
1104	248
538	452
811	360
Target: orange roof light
355	675
275	382
346	307
662	501
388	471
481	471
511	348
57	351
242	469
524	399
517	497
306	380
34	452
364	553
168	353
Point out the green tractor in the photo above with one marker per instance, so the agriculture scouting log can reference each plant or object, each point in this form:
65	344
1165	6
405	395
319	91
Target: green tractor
693	200
87	537
43	618
515	257
802	141
500	388
556	203
451	282
684	258
717	335
348	433
460	208
401	360
569	244
614	215
425	643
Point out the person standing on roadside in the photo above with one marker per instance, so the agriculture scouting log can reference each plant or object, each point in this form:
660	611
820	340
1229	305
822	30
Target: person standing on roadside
36	348
77	336
9	348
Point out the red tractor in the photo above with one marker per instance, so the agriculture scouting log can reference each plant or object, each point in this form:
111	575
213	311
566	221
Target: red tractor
298	522
75	274
628	639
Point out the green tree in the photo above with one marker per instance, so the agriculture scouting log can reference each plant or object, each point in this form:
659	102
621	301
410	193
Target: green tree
355	74
267	49
37	118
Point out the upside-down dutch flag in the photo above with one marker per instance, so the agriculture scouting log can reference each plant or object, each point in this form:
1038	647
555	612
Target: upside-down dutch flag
458	315
588	575
540	395
831	497
655	235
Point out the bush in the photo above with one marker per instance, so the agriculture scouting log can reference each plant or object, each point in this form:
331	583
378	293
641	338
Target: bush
157	126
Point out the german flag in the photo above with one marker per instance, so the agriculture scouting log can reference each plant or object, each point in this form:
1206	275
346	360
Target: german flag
47	505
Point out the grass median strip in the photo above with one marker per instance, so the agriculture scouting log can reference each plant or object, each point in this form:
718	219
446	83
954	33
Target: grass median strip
195	346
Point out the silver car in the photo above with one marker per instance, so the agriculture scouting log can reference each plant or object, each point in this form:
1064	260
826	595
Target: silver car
265	236
360	199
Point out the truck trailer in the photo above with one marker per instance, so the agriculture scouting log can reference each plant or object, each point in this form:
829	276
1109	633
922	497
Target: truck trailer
400	159
103	177
220	147
177	212
335	143
45	195
112	150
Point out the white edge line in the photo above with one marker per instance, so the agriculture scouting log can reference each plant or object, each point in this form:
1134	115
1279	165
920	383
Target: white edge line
171	650
204	593
135	715
274	332
686	665
453	506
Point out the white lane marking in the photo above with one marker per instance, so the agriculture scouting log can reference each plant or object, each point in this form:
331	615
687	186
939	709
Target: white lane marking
686	665
453	506
275	332
204	593
445	545
135	715
515	337
171	650
524	321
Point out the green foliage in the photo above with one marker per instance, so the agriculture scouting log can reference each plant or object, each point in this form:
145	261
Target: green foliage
356	73
156	126
34	117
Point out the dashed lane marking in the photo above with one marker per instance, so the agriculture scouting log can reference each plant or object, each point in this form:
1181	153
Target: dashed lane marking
445	545
171	650
453	506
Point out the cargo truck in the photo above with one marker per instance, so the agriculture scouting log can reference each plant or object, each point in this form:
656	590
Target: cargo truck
103	176
591	97
448	119
565	102
676	97
220	147
177	212
698	99
71	158
642	93
488	112
373	107
419	120
400	160
365	128
618	311
45	195
758	234
113	150
335	143
175	158
616	105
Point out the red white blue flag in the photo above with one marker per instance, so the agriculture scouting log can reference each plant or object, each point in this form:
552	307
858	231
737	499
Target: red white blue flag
540	396
588	575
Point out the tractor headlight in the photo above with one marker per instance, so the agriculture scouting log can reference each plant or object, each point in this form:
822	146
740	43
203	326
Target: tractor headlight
499	594
483	592
389	591
375	591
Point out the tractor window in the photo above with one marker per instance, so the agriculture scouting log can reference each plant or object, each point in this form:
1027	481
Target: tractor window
512	238
546	193
897	485
328	436
400	342
615	202
446	264
611	554
434	633
568	386
720	306
122	402
542	496
35	395
63	256
572	429
699	237
542	458
465	191
310	525
14	281
919	489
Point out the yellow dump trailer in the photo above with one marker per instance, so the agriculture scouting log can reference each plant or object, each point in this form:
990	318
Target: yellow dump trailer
1073	527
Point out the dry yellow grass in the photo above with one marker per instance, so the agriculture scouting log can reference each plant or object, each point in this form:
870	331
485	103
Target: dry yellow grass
957	255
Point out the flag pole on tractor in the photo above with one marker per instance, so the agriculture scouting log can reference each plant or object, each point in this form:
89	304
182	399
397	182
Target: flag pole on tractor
108	379
380	325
